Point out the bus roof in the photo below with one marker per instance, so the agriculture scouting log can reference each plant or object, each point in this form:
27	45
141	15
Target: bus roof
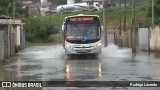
81	15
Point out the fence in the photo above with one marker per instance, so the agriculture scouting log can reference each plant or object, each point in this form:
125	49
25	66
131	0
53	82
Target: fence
143	38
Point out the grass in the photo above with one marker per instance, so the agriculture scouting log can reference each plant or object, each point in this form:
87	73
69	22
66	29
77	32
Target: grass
157	54
28	44
52	39
2	72
55	38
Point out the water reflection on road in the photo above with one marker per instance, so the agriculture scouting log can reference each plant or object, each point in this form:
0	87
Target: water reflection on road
43	63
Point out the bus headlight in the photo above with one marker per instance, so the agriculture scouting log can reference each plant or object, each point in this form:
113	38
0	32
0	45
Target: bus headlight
68	45
99	44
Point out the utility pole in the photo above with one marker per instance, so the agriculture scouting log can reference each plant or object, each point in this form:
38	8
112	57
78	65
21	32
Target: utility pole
50	4
93	6
13	9
124	15
152	12
104	24
120	21
133	32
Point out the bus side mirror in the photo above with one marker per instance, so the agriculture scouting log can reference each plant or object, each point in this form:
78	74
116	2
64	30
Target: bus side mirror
102	28
62	31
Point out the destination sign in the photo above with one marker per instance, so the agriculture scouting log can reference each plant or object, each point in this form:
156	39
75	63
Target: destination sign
80	19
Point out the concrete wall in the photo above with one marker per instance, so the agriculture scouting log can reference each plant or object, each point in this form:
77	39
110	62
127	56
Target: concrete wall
10	21
155	38
1	45
22	38
17	35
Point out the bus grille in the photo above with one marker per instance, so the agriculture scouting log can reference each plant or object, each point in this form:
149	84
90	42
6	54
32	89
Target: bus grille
84	47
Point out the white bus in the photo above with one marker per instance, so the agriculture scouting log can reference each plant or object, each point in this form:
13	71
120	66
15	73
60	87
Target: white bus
77	7
82	34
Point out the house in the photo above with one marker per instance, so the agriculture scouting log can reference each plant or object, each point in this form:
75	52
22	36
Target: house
108	3
12	36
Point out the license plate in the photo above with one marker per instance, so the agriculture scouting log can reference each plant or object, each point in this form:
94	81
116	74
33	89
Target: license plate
84	50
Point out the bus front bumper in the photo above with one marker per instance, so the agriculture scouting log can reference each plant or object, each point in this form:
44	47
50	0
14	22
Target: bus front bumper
96	50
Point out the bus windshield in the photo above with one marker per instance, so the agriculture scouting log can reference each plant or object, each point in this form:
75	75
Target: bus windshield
82	32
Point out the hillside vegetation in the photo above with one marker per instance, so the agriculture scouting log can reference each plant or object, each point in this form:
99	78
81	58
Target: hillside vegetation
45	28
42	28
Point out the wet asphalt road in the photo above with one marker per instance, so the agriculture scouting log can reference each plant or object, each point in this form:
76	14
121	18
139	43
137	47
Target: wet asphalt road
49	63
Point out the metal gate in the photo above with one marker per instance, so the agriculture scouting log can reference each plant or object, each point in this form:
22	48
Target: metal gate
5	29
143	35
12	44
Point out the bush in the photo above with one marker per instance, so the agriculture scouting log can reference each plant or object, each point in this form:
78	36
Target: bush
146	23
39	28
55	38
2	72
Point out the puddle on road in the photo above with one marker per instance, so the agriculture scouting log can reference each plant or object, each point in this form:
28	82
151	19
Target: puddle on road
50	62
38	63
114	51
52	52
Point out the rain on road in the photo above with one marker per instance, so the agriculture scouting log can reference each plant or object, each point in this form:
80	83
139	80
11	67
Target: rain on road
49	63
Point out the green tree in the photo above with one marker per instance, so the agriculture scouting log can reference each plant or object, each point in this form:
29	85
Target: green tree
4	6
156	11
38	29
7	5
157	8
62	2
4	3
